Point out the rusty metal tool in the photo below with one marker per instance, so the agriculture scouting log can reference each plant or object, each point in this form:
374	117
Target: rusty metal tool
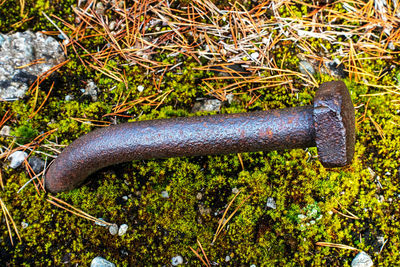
328	124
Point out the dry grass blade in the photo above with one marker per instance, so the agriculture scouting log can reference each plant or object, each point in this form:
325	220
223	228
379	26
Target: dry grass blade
98	123
65	206
333	245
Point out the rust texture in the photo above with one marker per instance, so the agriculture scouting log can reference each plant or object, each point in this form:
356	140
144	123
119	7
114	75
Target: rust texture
297	127
334	120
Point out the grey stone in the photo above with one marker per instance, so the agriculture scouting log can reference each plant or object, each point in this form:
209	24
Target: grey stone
113	229
177	260
122	229
37	164
17	158
306	68
2	39
207	105
101	262
20	49
362	259
5	131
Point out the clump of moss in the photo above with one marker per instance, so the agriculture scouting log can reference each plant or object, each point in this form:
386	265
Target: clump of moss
310	200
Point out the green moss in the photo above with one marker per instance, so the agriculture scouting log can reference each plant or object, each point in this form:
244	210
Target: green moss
310	199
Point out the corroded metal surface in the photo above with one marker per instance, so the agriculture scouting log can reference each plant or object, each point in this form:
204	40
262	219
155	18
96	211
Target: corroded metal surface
192	136
329	124
334	124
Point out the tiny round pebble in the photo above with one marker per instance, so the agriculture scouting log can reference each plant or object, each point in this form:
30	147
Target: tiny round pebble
271	203
255	55
113	229
140	88
177	260
227	258
164	194
362	260
122	229
24	225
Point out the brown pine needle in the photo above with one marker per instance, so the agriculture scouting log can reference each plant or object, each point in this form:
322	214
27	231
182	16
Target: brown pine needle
64	205
8	219
202	250
241	160
222	224
200	257
44	101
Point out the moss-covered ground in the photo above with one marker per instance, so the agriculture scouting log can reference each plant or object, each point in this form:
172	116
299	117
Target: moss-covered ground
357	206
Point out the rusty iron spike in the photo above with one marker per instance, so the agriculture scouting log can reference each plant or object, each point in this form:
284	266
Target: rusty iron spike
328	124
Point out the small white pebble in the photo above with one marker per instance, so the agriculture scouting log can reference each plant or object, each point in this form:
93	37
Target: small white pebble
235	190
164	194
17	158
253	265
101	262
140	88
113	229
255	55
125	198
177	260
301	216
122	229
24	225
362	260
227	258
199	196
271	203
391	46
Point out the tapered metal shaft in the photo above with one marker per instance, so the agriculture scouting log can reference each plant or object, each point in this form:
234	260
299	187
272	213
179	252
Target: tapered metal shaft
190	136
